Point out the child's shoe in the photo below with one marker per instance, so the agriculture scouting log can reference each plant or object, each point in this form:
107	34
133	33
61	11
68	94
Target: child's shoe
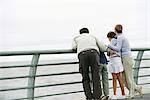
114	97
122	97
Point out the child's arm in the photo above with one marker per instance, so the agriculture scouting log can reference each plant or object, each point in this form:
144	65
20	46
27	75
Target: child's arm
117	46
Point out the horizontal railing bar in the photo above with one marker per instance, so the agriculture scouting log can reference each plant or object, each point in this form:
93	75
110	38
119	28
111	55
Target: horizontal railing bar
49	95
145	58
55	74
40	86
140	49
69	83
58	94
14	66
143	76
62	51
63	63
143	83
142	59
20	99
15	53
17	77
12	89
25	98
18	66
142	67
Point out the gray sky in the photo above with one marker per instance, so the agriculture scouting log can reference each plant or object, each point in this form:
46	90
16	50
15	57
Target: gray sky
52	24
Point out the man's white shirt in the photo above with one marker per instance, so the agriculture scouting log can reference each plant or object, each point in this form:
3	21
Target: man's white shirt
85	41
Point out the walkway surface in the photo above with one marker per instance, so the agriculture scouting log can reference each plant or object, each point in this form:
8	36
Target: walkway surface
145	97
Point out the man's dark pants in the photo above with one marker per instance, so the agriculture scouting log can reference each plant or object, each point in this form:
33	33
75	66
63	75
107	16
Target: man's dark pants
90	58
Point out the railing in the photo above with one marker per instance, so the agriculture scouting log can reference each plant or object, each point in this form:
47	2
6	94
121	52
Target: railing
35	64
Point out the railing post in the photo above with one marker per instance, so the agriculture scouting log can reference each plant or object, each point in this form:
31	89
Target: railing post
32	73
137	65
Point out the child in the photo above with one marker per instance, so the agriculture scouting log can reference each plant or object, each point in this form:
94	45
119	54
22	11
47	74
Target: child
116	67
103	70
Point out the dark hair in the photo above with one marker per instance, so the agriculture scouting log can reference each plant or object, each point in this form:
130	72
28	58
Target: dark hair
84	30
111	34
118	28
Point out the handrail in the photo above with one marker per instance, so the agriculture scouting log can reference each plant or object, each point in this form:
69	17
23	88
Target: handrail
34	63
15	53
62	51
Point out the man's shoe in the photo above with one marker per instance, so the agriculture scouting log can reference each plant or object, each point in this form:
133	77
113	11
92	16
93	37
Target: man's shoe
105	97
129	96
102	97
140	91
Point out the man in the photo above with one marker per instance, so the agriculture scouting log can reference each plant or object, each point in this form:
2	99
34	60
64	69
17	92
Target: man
124	47
88	47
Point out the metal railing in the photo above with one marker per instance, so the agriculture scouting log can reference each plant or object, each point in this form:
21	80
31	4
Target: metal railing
34	64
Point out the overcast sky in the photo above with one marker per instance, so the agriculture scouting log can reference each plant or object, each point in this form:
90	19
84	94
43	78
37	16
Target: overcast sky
52	24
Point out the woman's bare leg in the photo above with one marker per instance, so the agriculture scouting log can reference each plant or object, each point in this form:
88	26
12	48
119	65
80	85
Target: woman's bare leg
121	82
114	77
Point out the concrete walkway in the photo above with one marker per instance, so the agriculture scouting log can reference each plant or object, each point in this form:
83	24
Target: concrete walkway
145	97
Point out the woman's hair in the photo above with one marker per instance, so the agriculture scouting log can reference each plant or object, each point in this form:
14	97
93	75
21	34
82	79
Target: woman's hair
118	28
84	30
111	34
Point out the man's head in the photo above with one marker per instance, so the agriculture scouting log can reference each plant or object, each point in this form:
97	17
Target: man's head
118	28
84	30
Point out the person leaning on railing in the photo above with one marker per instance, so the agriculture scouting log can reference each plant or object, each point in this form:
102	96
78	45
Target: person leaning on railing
88	47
